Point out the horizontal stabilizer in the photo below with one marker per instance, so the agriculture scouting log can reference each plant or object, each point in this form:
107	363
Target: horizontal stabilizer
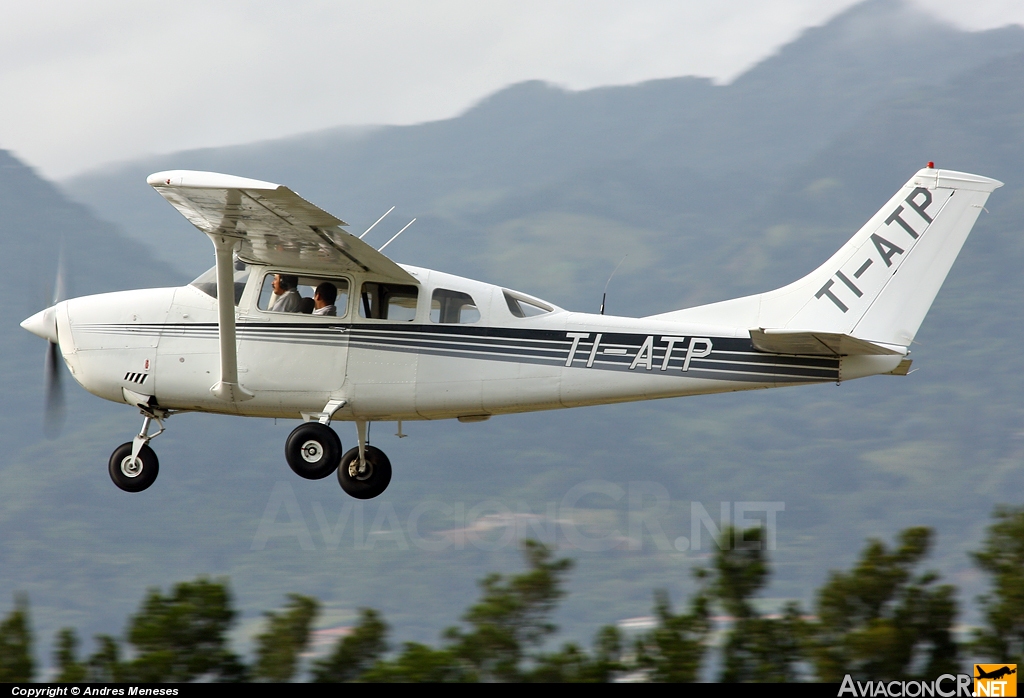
903	369
808	343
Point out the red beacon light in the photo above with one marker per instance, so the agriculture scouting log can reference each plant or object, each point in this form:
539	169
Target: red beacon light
931	165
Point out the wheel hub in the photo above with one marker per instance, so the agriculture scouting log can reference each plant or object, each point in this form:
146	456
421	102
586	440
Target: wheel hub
312	451
129	468
357	472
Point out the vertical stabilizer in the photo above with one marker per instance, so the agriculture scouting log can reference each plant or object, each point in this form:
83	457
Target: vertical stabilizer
879	285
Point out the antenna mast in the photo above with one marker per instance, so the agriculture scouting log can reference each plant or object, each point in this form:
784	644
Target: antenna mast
605	294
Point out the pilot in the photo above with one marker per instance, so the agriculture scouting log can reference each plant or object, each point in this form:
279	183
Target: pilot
323	299
286	298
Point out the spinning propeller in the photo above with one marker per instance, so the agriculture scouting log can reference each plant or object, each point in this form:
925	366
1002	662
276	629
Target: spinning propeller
44	324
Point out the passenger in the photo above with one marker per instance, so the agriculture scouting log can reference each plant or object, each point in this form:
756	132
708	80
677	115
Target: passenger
306	306
286	298
323	299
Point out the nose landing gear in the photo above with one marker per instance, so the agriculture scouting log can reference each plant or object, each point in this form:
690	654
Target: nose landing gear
133	465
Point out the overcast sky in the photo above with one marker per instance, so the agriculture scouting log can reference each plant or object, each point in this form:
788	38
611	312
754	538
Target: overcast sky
82	84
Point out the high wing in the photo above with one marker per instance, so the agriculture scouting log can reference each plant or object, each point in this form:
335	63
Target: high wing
273	224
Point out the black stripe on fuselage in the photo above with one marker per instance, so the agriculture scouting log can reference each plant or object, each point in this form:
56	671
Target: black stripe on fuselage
731	358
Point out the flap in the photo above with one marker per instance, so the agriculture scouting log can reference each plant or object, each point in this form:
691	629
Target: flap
809	343
275	225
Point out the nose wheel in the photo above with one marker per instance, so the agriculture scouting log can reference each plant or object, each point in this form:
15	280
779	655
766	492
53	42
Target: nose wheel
133	466
133	474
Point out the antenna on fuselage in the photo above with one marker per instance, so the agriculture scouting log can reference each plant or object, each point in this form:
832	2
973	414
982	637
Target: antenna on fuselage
381	248
604	295
378	221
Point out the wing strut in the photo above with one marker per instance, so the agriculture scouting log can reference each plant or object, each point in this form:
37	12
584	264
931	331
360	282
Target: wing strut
227	388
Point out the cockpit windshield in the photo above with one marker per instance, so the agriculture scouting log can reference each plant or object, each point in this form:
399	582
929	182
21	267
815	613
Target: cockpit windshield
207	281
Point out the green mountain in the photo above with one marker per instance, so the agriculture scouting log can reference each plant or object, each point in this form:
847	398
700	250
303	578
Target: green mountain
712	191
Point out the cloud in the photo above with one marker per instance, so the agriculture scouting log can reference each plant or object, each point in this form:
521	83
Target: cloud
88	83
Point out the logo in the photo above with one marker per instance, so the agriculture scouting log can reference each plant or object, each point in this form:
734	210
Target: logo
995	680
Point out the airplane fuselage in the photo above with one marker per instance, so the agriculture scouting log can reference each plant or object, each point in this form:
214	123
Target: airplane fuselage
161	345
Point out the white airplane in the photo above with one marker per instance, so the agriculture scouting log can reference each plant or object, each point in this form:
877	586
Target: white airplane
407	343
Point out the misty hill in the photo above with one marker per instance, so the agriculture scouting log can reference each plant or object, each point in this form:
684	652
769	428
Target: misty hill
532	171
37	225
713	191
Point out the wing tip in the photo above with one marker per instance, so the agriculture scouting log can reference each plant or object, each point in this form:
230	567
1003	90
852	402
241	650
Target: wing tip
194	179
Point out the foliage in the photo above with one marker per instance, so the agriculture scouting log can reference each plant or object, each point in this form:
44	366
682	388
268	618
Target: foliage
286	637
511	617
572	665
65	657
16	643
757	649
183	636
105	666
674	650
356	652
766	650
418	663
740	570
879	622
1003	558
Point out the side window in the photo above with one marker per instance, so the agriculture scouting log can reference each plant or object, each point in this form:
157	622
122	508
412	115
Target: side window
522	306
395	302
309	295
453	307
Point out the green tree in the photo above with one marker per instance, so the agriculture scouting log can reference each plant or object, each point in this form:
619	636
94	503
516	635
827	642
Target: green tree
766	650
419	663
512	616
1002	557
674	650
573	665
104	665
880	622
16	643
183	636
286	637
756	649
356	652
65	657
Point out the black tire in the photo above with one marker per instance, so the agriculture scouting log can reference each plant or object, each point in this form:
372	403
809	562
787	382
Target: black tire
368	484
133	479
313	450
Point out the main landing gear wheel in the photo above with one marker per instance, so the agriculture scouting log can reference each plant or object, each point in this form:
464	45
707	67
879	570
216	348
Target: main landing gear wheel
313	450
137	476
366	482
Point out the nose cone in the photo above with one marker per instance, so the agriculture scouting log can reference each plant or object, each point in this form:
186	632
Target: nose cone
43	324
